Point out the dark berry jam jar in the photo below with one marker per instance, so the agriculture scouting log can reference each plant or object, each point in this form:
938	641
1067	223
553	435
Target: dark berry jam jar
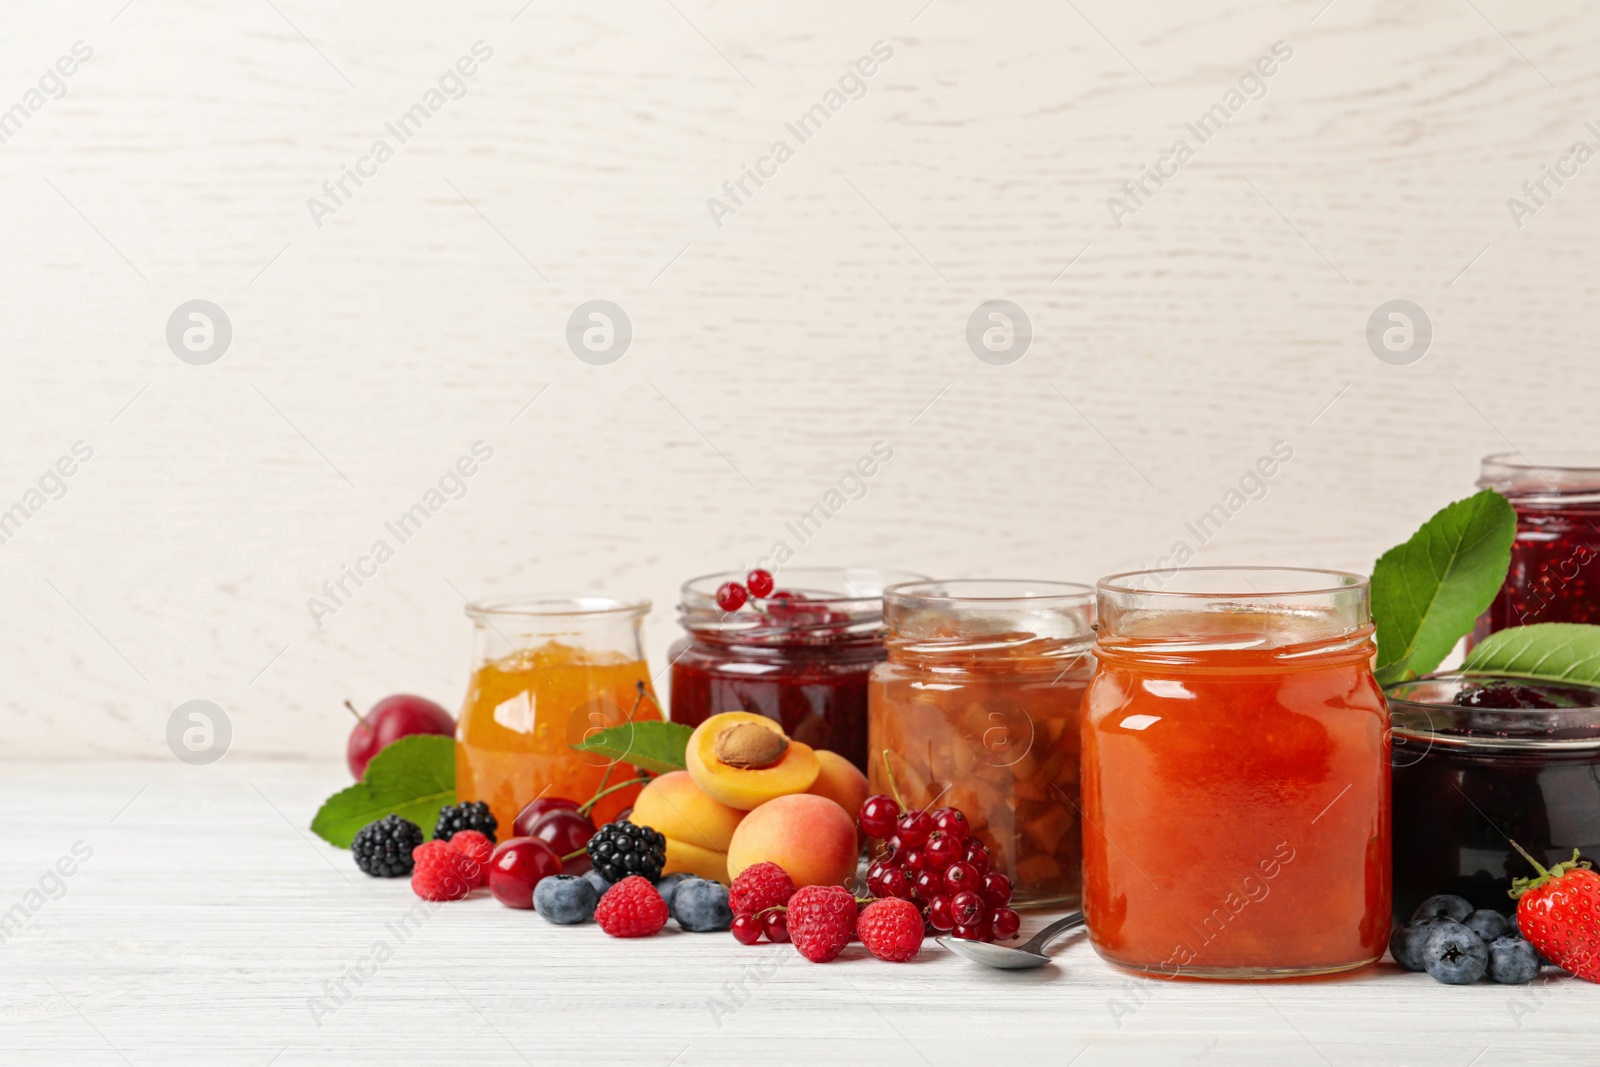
1481	761
800	657
1555	560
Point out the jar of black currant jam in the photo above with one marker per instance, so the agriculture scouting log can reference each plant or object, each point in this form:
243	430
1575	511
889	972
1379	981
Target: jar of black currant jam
800	656
1479	762
1555	559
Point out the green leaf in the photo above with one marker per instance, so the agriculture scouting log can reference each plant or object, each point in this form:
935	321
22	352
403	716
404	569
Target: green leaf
1428	592
1549	651
657	747
413	777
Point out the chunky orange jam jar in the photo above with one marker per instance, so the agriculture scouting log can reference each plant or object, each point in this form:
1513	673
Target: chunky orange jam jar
1236	775
977	708
549	673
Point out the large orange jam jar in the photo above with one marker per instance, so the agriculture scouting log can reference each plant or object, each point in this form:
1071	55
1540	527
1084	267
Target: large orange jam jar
1236	775
548	674
977	708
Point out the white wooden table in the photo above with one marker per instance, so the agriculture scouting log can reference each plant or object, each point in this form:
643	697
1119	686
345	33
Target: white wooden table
209	927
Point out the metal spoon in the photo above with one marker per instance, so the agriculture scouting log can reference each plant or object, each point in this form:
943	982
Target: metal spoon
1028	954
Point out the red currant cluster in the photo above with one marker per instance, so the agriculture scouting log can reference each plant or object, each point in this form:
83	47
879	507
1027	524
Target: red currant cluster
931	860
731	596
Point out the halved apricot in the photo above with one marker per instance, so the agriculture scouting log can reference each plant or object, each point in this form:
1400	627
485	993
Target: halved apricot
730	763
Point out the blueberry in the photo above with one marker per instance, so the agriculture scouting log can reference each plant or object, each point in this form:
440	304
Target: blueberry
565	899
598	880
668	885
1512	961
1443	906
1487	924
1406	943
1454	954
701	906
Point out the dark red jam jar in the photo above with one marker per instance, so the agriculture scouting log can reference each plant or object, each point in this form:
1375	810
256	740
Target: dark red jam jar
1555	560
800	657
1479	762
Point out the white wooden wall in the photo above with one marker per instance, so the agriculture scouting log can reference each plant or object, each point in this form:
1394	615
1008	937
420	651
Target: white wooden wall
826	313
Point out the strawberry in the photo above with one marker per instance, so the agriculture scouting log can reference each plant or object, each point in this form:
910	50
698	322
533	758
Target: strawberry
1559	913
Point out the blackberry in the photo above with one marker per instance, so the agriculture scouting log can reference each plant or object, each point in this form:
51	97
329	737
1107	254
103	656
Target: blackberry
471	815
383	848
620	848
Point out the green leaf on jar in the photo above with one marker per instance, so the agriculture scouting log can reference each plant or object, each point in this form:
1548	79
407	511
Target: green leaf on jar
1547	651
413	778
657	747
1428	592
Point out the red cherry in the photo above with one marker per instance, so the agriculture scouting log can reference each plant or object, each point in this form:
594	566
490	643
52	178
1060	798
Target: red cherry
914	860
960	877
776	926
913	828
928	884
976	855
563	830
878	815
895	883
1006	924
968	909
939	914
996	889
525	819
731	596
746	929
952	822
759	582
942	850
389	720
516	866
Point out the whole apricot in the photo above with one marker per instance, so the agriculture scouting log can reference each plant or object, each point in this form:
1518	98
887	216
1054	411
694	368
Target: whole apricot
680	809
811	837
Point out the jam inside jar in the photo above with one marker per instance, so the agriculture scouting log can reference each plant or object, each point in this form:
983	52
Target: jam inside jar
800	657
549	673
1480	762
1555	559
1236	776
977	708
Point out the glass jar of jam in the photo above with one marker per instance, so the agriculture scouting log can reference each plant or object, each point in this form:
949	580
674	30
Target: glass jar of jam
800	656
1236	775
1555	559
1480	762
549	673
977	708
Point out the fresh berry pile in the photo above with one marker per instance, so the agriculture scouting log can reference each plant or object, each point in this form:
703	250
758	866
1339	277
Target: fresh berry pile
930	859
1458	945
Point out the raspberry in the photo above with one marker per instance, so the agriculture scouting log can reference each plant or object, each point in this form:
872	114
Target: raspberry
821	920
442	873
477	848
631	908
758	887
891	929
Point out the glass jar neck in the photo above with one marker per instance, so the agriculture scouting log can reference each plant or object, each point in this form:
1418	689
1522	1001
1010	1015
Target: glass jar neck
603	629
1568	481
1230	616
992	626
